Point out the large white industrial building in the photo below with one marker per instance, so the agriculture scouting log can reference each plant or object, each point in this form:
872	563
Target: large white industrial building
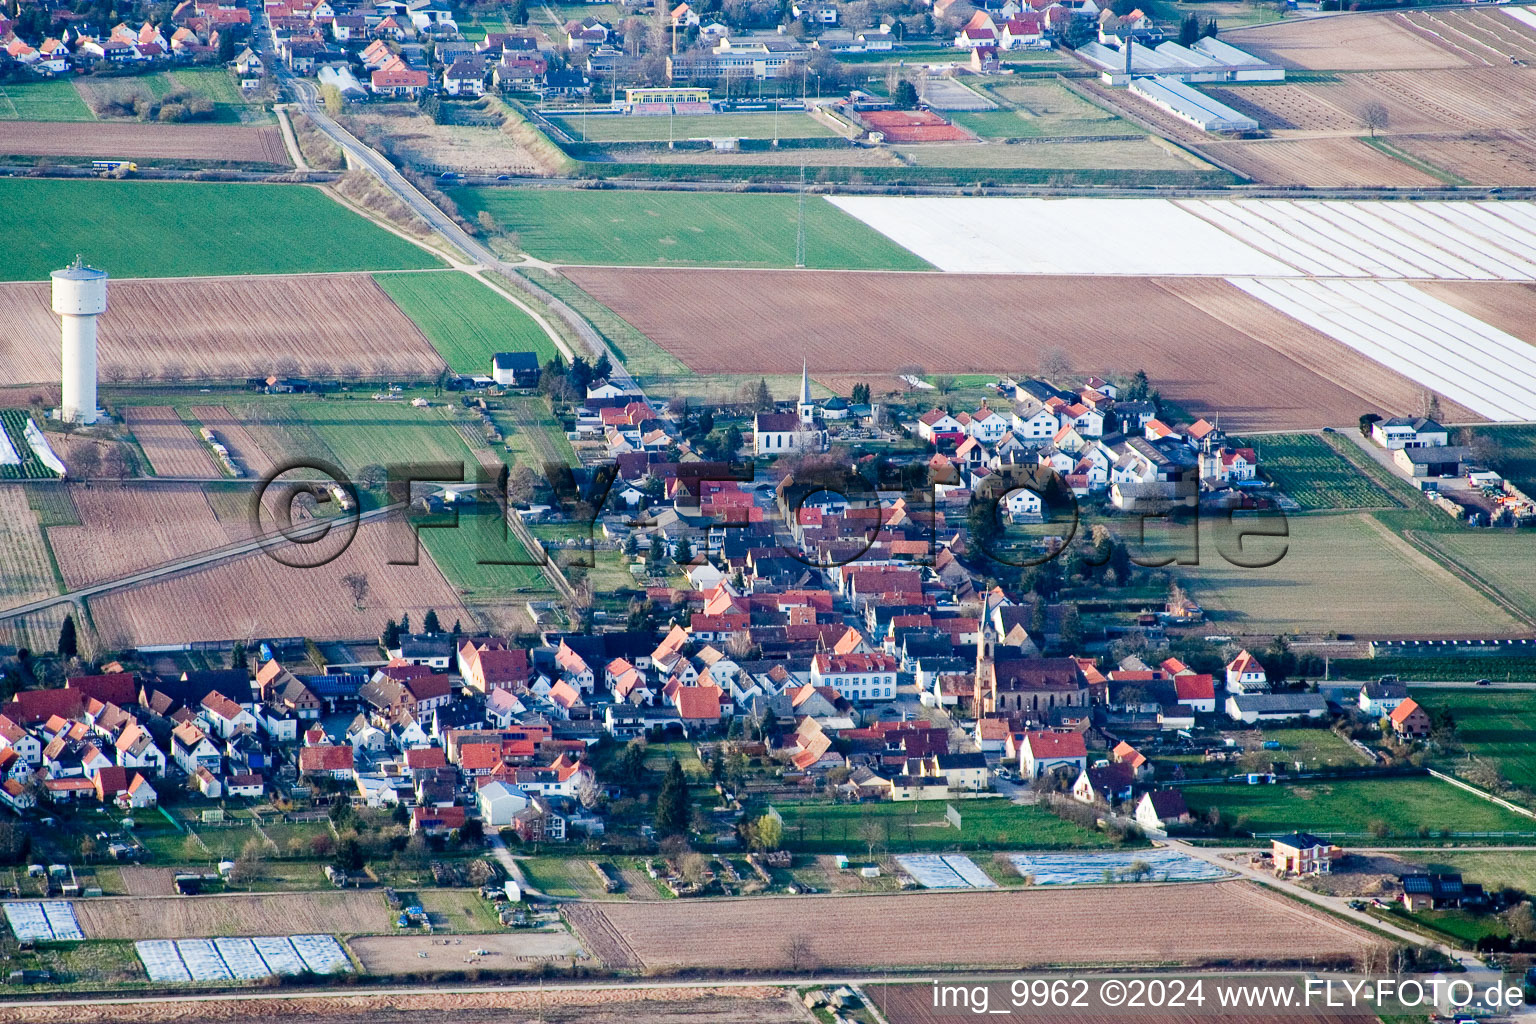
1208	60
79	297
1192	105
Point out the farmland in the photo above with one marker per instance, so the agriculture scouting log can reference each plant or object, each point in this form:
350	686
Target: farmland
22	461
180	917
791	124
1478	158
150	524
313	324
1314	475
49	99
1019	928
187	229
1499	559
681	228
1323	567
1340	161
921	825
472	557
233	435
169	143
26	572
1384	808
216	85
1040	109
464	320
400	954
1495	726
1376	42
256	595
172	448
1245	357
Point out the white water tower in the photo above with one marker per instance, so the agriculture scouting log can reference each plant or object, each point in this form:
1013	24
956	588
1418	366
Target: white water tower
79	296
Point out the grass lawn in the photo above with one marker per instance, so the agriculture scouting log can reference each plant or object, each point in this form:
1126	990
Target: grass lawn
1040	109
791	124
218	85
92	964
192	229
1500	726
1494	869
659	755
682	228
1317	747
49	99
1314	474
471	558
465	320
459	910
561	877
1341	573
921	825
1357	806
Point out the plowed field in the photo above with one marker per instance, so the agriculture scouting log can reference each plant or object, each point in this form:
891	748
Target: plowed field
135	141
1374	42
1194	923
172	448
914	1004
182	917
1482	158
257	596
25	574
871	323
126	529
205	328
1336	161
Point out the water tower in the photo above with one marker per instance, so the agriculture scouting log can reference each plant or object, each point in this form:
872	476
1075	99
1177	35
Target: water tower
79	296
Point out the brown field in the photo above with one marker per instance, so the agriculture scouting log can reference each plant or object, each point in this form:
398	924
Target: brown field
398	954
1363	42
416	140
193	917
1487	35
324	324
1436	101
132	140
914	1004
170	445
846	323
142	881
232	434
1482	158
1285	108
1336	161
25	574
763	1004
40	630
1508	306
255	595
1192	924
134	527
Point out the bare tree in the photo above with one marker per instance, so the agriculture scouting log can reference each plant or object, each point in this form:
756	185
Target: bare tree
86	462
116	464
944	383
356	584
1375	117
1053	364
797	952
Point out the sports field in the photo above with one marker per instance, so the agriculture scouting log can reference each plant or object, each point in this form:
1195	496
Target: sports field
191	229
466	321
50	99
1383	807
1312	473
672	228
1032	108
1498	725
1339	573
790	124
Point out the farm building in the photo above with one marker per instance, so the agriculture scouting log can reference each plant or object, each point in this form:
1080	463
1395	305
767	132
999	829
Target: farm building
515	369
1188	104
1209	60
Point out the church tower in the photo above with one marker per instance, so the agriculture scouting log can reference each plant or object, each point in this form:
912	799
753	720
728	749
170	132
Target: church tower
805	407
985	689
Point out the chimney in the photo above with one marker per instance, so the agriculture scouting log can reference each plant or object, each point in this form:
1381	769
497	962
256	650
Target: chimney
1129	42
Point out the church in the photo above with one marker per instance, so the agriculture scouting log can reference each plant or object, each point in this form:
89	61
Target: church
778	433
1009	683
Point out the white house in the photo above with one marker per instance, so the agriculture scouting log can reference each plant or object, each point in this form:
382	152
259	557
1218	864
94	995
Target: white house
1250	708
1382	698
1159	809
191	749
856	676
937	423
1409	432
1046	751
225	718
499	803
1022	505
1034	422
986	425
1196	691
1246	675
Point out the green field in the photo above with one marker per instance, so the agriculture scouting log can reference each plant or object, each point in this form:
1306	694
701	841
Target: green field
1364	807
466	321
470	554
49	99
360	433
789	124
1314	475
1339	573
1500	559
13	425
1039	108
1497	725
1317	747
1494	869
671	228
191	229
218	85
921	825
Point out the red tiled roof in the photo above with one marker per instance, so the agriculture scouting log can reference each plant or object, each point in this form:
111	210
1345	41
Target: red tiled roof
325	759
698	702
1056	744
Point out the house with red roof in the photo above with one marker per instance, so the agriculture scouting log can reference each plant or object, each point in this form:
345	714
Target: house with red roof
870	676
698	707
436	820
1049	750
326	760
397	79
937	425
1409	720
1245	674
1196	690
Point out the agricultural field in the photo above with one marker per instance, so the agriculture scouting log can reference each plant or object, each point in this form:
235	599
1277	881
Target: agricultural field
791	124
1231	921
1314	475
360	433
1476	158
914	1004
1493	725
26	568
319	324
562	877
402	130
1222	347
470	557
171	446
40	630
921	825
231	433
464	320
22	461
257	596
48	99
1499	560
149	524
1324	162
167	143
1324	565
400	954
1039	108
1371	42
180	917
216	85
1383	808
193	229
1493	869
1128	155
1316	747
681	228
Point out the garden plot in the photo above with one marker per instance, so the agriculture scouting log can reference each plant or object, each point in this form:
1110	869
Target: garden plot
203	961
240	959
321	953
43	922
161	960
949	871
1423	338
1086	868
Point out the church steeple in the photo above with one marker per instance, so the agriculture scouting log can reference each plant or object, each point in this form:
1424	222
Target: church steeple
805	407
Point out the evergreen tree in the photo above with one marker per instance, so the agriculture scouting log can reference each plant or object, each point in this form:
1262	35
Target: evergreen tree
684	551
1189	30
458	629
431	624
391	635
69	643
762	398
860	394
658	547
238	655
1211	28
672	802
405	624
1139	388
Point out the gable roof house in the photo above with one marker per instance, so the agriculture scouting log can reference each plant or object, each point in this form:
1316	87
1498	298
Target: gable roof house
1047	751
1160	809
1409	720
1245	674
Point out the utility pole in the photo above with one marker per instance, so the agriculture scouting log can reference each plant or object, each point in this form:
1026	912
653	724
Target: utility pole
800	223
